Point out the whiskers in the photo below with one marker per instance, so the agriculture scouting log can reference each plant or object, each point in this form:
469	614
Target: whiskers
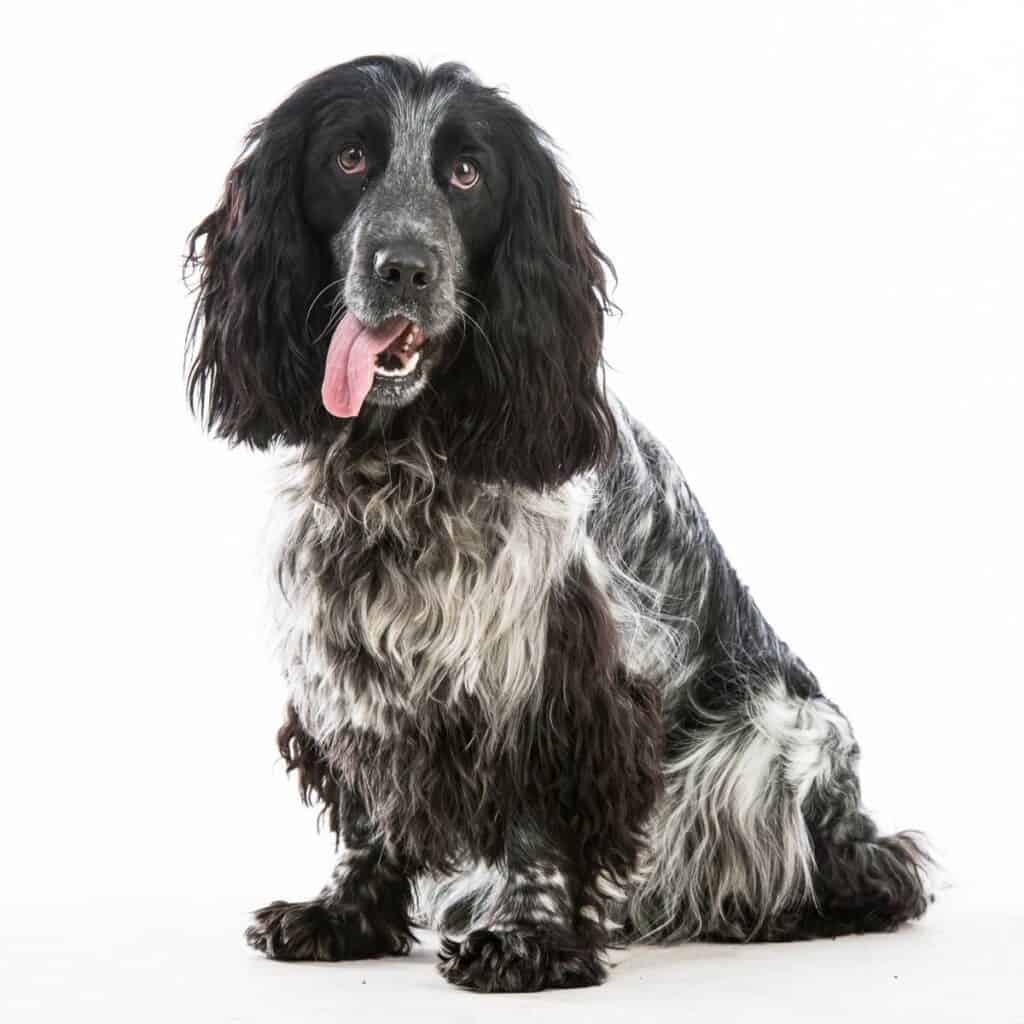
467	317
337	308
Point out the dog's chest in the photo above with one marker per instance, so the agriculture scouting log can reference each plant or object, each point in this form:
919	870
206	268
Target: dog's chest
402	592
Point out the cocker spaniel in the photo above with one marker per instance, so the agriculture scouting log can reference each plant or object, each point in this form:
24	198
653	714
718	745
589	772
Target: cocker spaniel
538	707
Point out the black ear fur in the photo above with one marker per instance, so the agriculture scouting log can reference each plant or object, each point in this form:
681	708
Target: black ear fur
529	405
255	371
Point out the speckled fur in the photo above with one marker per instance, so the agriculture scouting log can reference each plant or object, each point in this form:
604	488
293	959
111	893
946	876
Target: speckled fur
525	684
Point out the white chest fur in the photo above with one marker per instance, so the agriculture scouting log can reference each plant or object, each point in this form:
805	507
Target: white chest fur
393	592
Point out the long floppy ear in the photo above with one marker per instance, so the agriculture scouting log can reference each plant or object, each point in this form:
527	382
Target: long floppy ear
531	406
255	371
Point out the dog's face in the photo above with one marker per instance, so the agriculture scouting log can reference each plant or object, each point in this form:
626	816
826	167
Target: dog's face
407	186
397	249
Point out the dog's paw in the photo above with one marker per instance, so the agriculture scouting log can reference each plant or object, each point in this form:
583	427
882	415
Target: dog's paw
521	958
314	931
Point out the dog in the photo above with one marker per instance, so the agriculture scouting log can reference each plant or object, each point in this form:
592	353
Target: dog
539	709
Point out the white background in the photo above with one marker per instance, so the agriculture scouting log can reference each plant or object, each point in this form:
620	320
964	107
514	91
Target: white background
817	214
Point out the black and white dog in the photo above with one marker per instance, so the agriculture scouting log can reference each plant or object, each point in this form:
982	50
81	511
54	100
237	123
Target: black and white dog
536	703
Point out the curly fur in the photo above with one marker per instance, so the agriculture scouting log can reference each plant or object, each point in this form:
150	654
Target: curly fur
525	685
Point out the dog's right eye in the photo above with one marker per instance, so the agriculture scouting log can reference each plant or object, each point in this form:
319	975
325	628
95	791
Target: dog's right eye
352	158
465	174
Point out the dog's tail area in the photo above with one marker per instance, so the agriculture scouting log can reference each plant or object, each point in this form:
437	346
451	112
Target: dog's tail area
867	884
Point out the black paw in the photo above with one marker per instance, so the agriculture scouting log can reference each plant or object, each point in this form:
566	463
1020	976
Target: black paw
522	958
314	931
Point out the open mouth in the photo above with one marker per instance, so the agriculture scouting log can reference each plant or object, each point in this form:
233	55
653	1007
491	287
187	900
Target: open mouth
402	356
360	358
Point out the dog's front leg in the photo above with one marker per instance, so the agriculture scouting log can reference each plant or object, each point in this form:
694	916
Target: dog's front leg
363	911
526	923
583	767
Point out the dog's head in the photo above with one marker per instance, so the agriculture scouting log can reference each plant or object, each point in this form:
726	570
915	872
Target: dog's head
399	246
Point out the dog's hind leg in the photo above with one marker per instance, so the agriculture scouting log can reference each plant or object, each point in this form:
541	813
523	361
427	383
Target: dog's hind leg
863	882
760	834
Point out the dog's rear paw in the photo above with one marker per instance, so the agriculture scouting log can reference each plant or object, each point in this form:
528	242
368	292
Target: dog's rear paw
314	931
521	958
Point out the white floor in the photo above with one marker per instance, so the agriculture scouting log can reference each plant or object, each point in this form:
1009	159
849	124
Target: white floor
964	962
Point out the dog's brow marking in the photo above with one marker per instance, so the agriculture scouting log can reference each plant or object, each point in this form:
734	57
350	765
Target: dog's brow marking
406	204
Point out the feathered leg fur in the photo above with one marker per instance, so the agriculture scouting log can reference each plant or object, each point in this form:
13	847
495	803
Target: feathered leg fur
363	911
550	805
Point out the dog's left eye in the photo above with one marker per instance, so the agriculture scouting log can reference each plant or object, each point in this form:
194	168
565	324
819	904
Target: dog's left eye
352	159
465	174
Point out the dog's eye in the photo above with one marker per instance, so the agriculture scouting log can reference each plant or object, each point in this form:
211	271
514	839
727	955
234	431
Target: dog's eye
352	158
465	173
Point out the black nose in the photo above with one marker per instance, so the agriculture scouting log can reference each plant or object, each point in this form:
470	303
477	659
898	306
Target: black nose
405	266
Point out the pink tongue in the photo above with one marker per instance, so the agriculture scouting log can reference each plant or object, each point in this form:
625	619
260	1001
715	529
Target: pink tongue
348	375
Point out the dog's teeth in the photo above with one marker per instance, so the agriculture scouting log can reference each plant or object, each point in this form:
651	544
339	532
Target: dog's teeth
402	371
